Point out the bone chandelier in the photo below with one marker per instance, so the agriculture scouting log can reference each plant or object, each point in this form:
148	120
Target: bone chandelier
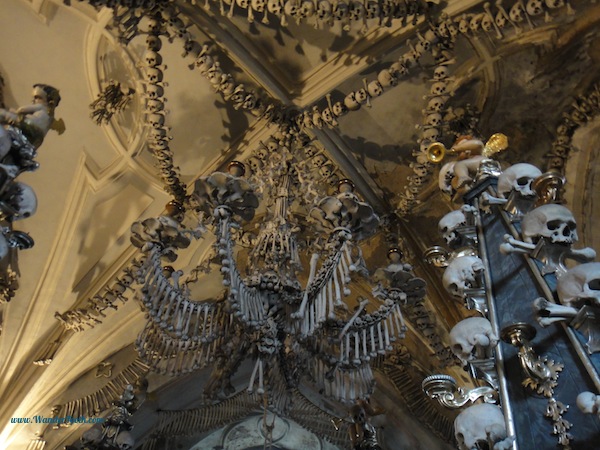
320	333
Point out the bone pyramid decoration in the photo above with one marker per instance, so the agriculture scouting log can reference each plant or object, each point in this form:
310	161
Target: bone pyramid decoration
290	333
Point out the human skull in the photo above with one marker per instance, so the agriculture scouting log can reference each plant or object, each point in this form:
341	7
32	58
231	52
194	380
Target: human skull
374	88
462	273
517	13
555	3
327	116
242	3
475	22
153	42
326	170
588	402
435	104
125	440
324	10
434	119
362	96
155	105
307	8
472	338
534	7
518	177
487	23
387	78
319	161
311	150
399	68
154	75
480	424
258	5
463	24
291	7
449	223
500	19
340	10
156	120
339	109
580	285
255	164
351	103
154	26
357	10
372	9
440	73
445	177
274	7
153	91
438	88
553	222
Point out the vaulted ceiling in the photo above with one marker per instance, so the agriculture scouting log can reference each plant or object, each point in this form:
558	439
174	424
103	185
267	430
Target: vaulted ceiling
532	75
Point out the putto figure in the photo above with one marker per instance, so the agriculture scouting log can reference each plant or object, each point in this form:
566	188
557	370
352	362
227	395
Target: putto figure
33	120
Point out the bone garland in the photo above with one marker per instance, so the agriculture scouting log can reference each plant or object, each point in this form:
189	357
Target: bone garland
112	99
581	111
158	142
101	400
79	318
166	355
325	12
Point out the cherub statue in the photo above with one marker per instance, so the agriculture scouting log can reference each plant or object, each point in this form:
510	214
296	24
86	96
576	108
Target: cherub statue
34	120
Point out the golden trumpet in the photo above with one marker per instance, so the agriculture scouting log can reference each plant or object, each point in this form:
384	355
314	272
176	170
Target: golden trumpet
436	152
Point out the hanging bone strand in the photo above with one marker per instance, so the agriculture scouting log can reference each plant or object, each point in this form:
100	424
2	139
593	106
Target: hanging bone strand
158	142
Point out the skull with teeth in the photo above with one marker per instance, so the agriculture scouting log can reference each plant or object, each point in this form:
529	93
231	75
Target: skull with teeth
435	104
552	222
580	285
472	338
438	88
440	73
518	178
